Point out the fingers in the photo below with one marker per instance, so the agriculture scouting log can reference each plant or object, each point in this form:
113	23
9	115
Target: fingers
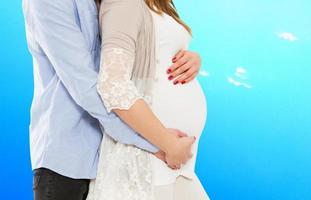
190	78
183	154
190	155
186	64
193	140
185	69
185	73
178	55
187	158
160	155
174	167
191	69
178	133
187	76
180	62
182	134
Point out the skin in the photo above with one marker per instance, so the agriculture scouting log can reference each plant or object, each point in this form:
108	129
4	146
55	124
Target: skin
185	67
161	154
141	118
175	146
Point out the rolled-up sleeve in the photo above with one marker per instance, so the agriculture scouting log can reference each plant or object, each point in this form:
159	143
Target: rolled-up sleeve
61	39
120	23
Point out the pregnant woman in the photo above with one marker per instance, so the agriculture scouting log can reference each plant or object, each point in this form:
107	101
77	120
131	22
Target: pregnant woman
139	38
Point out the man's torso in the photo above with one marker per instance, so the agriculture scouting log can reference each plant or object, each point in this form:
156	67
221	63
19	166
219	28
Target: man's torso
63	137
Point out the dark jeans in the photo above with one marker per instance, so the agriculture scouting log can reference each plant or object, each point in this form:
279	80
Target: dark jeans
48	185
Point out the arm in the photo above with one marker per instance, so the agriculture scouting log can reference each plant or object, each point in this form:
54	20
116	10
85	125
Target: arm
61	39
115	86
120	26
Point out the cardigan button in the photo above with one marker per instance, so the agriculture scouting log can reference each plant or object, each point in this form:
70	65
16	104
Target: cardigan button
156	79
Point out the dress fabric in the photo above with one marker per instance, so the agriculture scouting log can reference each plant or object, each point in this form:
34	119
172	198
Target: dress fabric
181	189
126	172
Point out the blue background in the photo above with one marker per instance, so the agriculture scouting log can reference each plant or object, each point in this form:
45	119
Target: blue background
256	77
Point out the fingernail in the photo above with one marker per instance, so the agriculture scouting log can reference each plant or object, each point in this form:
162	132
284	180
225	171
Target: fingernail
170	77
174	59
169	71
175	82
195	137
183	82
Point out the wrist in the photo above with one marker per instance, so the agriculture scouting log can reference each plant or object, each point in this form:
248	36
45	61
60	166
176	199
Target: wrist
170	143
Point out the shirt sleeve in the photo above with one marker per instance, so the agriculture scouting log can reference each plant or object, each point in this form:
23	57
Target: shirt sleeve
57	32
120	23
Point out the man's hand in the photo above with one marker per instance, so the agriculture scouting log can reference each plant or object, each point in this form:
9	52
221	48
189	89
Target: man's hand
186	66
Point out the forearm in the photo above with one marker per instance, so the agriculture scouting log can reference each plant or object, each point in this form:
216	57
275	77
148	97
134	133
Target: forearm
116	85
140	118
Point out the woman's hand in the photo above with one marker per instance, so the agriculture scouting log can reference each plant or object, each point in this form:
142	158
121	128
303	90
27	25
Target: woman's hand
161	154
186	66
180	152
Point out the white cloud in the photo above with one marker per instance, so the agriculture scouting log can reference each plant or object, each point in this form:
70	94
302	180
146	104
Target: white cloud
240	70
288	36
204	73
238	83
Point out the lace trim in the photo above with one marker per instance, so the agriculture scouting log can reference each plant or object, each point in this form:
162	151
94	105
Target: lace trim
115	86
124	173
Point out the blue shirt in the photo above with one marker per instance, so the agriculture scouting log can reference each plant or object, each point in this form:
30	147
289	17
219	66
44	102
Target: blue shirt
67	113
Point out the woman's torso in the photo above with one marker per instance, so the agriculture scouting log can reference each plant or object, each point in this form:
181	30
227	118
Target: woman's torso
124	171
177	106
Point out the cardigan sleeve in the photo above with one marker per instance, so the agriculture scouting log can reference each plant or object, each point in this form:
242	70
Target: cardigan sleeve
120	22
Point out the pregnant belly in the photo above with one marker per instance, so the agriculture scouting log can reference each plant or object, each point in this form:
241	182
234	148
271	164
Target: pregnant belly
180	106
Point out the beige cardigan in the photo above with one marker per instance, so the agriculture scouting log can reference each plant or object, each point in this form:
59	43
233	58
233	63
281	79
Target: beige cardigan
126	74
128	52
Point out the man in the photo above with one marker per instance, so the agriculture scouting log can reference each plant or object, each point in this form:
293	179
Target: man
67	112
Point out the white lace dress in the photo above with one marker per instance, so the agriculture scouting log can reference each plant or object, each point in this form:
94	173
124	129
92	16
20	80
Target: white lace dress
126	172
